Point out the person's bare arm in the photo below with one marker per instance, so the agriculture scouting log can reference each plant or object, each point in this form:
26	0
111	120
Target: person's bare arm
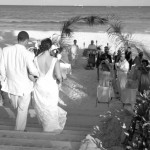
32	70
2	67
32	78
57	72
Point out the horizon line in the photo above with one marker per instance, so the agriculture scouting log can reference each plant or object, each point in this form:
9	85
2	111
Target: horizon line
78	5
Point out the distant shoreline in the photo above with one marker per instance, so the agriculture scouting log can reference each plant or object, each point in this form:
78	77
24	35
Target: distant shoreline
74	5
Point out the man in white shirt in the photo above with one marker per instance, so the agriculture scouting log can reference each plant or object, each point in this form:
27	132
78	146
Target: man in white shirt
74	52
16	65
92	45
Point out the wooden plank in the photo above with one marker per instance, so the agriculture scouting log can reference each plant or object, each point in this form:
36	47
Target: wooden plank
43	136
8	147
36	125
32	129
39	143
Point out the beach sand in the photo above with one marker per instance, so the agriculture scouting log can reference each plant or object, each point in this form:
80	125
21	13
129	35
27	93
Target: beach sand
8	37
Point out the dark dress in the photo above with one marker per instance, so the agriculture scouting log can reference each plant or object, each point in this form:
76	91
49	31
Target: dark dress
91	60
98	60
104	57
128	58
144	79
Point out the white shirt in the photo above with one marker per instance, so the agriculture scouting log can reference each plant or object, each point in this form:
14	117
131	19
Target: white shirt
15	64
123	66
91	46
74	49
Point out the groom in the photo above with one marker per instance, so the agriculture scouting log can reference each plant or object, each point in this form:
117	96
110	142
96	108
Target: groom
16	65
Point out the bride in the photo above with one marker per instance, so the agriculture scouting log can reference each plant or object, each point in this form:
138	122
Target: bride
46	90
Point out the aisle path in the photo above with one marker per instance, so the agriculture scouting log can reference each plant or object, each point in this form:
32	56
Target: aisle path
79	95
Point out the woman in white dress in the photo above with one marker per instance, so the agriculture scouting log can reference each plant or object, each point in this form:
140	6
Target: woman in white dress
122	70
46	90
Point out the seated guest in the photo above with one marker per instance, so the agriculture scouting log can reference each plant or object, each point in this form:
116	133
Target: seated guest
92	45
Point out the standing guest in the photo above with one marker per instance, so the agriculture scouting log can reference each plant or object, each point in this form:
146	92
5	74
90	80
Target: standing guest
74	52
92	45
84	45
116	59
96	43
127	53
142	75
122	70
130	60
105	56
99	53
107	46
65	55
128	56
105	67
91	59
16	65
138	60
117	56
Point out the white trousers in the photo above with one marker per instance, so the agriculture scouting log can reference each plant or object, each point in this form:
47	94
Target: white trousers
21	103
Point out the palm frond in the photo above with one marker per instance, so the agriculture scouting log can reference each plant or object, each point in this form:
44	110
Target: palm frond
103	21
65	43
115	28
95	20
115	34
67	31
139	46
67	28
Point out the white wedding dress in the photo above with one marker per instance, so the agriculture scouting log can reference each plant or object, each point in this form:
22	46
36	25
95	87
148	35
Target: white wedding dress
46	97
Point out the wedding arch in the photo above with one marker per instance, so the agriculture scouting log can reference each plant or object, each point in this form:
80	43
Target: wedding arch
114	31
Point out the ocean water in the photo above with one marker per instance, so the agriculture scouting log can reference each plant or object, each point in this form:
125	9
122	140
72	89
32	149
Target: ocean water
51	18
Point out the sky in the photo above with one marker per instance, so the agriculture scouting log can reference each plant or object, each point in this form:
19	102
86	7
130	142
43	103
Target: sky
78	2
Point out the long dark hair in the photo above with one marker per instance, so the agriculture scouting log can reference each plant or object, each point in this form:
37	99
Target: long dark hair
45	45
